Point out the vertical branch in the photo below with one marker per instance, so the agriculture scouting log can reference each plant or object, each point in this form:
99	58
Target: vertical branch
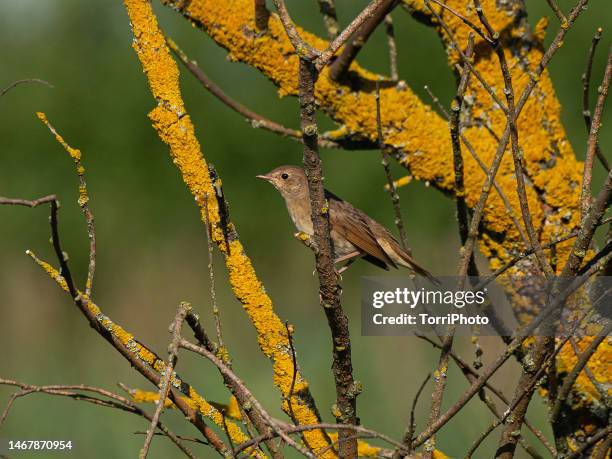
524	392
586	89
391	187
211	276
441	372
164	385
330	18
585	196
553	6
407	441
455	132
517	152
329	290
389	30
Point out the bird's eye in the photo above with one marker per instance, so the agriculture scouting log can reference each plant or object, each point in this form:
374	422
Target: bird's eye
285	176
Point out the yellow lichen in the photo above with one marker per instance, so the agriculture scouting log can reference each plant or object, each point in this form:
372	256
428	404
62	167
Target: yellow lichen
175	128
413	128
146	355
599	365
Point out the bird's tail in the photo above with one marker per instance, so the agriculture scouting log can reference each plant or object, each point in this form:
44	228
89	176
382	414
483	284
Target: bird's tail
410	263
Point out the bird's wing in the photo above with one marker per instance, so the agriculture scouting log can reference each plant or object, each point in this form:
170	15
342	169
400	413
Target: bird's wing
352	224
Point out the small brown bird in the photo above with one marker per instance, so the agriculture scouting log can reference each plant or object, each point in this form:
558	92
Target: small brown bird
353	233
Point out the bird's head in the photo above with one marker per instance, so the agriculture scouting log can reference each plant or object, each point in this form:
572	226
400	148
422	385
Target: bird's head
290	181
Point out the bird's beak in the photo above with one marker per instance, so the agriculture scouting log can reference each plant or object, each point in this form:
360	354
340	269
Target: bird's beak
264	177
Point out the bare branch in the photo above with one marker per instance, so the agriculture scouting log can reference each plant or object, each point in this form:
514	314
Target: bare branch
303	49
238	390
330	19
407	440
24	81
390	32
116	401
228	373
603	433
586	86
164	385
553	6
391	188
517	152
465	60
484	168
569	380
585	196
462	209
27	203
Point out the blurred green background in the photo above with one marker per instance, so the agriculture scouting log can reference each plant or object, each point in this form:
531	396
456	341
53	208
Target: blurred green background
151	244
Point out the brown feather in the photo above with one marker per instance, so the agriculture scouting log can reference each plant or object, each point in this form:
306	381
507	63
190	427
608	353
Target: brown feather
353	224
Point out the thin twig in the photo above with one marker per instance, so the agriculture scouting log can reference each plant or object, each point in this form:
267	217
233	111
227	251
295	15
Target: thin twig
164	385
255	119
585	196
517	152
228	373
83	201
302	48
471	374
586	89
603	393
483	166
330	18
553	5
455	129
392	45
237	390
211	276
391	188
516	342
456	47
524	391
440	375
465	20
26	80
362	431
289	329
587	229
499	271
117	401
590	442
569	380
95	318
28	203
407	440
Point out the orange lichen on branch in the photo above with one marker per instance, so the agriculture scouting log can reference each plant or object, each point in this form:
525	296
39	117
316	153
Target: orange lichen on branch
147	396
414	131
74	153
175	128
585	393
147	356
